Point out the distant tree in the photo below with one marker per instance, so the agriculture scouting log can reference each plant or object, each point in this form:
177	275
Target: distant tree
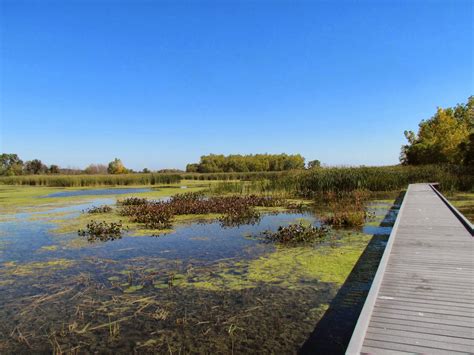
170	171
116	167
314	164
192	168
10	164
467	149
145	171
54	169
35	166
444	138
96	169
216	163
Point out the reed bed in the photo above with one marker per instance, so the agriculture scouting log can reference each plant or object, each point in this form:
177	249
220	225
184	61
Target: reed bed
296	182
91	180
383	178
390	178
346	209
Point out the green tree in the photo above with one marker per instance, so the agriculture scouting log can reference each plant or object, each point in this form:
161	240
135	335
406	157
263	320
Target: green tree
216	163
441	139
467	149
116	167
314	164
96	169
10	164
35	167
54	169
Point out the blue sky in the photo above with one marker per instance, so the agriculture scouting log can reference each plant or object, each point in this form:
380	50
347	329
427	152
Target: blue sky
160	83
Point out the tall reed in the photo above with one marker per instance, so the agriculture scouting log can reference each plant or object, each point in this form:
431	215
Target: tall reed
91	180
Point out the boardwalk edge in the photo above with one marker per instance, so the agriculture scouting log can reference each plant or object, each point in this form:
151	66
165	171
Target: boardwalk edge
357	339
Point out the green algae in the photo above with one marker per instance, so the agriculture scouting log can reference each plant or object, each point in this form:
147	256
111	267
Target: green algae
49	248
295	267
6	282
132	289
290	266
34	268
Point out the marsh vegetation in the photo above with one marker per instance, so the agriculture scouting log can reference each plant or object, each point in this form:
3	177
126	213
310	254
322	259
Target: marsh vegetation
228	266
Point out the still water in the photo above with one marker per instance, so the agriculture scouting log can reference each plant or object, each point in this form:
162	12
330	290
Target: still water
200	289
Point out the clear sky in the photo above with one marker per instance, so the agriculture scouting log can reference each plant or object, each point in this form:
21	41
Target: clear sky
158	84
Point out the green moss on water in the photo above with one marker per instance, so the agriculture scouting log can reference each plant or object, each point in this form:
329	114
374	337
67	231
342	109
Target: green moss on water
289	267
132	289
293	265
33	268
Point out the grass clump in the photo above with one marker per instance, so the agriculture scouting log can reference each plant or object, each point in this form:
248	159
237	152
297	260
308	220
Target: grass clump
347	209
296	234
91	180
99	209
153	215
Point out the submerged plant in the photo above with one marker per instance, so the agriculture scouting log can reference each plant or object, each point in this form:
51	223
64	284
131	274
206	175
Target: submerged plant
102	231
297	234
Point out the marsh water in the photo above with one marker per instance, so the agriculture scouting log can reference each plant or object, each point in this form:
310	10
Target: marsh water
203	288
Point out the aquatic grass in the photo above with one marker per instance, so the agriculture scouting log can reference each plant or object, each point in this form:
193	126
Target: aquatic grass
102	231
99	209
91	180
295	234
132	201
346	208
32	268
233	209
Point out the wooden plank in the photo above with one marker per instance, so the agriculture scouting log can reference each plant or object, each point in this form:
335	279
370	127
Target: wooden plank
409	348
437	342
420	328
423	300
468	343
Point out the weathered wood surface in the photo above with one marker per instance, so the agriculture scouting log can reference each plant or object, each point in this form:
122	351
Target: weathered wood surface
422	298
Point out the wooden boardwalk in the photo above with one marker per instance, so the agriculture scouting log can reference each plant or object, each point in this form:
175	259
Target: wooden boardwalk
422	297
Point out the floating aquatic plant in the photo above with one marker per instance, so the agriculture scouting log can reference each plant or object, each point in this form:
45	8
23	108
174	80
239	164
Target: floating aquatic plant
132	201
297	234
159	214
102	231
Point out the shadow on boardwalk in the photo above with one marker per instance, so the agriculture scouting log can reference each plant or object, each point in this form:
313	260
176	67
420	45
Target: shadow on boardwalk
333	332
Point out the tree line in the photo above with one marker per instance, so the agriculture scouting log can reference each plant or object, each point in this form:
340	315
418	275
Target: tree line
219	163
446	138
11	164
